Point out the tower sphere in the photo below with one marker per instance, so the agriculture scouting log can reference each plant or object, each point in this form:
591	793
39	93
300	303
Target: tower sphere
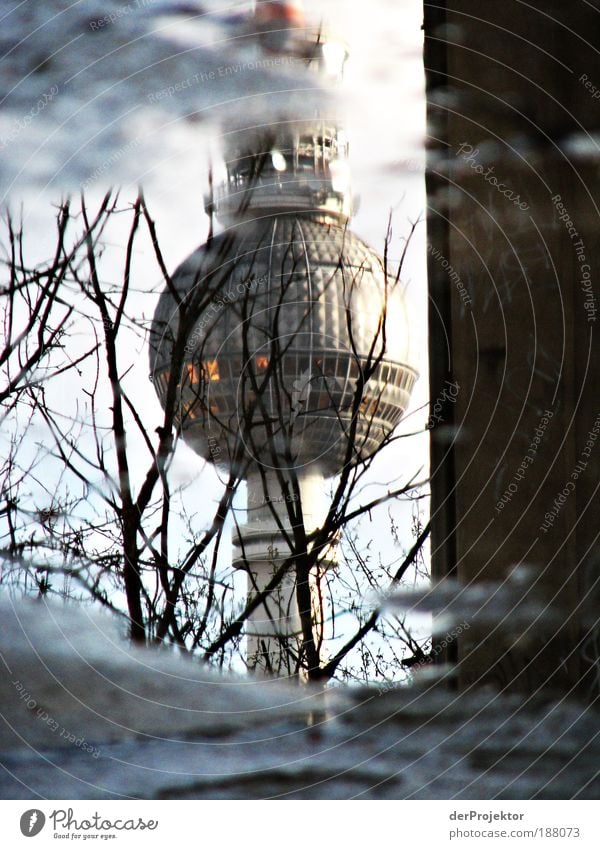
295	343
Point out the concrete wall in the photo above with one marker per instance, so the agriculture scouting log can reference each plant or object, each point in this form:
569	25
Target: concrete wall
514	102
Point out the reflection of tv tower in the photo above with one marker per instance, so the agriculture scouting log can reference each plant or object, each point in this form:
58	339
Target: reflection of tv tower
275	358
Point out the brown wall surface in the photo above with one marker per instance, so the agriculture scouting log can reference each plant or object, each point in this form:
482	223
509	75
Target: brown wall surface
514	146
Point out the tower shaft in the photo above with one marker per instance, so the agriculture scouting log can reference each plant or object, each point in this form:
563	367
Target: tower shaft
268	548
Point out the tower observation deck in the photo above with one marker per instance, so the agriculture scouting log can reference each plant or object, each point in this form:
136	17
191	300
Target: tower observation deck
290	339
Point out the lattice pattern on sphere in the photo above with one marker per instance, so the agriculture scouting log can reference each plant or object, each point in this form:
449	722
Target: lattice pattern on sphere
284	312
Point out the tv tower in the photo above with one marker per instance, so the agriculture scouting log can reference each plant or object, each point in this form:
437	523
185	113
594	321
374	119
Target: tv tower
296	360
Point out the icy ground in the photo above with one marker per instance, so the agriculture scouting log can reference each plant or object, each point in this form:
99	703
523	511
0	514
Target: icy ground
136	91
86	716
107	92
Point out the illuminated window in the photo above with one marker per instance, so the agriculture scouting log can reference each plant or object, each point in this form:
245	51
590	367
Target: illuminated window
188	410
211	369
369	405
193	373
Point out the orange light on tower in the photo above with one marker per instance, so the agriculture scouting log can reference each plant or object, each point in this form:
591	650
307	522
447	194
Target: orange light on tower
211	369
